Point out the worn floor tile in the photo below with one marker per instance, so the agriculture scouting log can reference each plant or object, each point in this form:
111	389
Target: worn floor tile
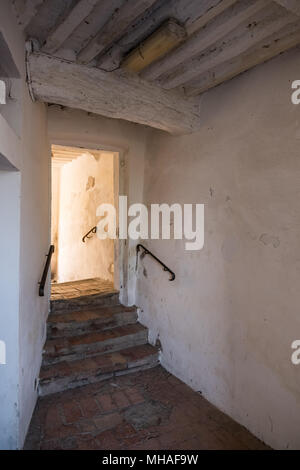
71	290
145	410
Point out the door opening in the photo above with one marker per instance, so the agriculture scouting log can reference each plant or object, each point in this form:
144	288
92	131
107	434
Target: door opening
82	179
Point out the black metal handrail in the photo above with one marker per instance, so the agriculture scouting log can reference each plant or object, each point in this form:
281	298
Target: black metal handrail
147	252
93	230
45	273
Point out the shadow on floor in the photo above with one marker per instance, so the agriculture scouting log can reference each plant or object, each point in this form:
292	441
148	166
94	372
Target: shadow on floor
149	410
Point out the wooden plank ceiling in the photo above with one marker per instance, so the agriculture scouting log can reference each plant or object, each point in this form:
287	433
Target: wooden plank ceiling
218	40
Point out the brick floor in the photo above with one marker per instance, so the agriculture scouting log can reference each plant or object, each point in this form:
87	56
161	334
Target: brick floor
146	410
74	289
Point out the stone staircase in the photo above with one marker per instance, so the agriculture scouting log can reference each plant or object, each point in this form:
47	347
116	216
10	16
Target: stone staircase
92	338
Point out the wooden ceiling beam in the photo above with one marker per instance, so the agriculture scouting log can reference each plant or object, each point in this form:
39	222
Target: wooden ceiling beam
233	45
217	28
162	41
64	29
110	94
192	14
271	47
209	15
293	6
26	10
114	29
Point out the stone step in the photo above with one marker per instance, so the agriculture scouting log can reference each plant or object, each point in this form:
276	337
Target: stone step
84	346
66	375
62	305
89	320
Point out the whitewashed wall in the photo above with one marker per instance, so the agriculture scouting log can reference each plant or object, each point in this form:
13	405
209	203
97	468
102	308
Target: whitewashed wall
10	188
85	183
24	209
227	323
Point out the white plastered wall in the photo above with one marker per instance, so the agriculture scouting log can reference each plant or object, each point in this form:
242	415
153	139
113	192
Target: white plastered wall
10	188
84	184
227	322
26	227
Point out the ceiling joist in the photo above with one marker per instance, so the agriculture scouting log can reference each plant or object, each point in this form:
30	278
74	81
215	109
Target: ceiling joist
215	10
64	29
293	6
114	29
233	45
282	41
217	28
163	40
174	46
193	14
111	94
26	10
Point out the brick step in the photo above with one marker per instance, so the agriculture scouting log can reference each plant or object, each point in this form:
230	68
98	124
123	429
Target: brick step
83	346
85	301
89	320
66	375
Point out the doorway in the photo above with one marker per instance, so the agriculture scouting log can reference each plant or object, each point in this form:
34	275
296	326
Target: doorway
82	179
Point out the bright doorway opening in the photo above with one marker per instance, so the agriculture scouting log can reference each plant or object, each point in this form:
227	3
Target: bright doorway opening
82	179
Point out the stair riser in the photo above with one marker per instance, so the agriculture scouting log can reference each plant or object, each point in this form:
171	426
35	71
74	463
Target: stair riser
82	351
78	328
80	303
67	383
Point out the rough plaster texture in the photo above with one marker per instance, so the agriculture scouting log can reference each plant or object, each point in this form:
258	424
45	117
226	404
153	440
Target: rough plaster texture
227	322
80	129
35	242
10	188
84	184
25	226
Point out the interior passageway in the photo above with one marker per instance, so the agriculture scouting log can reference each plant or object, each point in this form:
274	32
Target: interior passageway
82	179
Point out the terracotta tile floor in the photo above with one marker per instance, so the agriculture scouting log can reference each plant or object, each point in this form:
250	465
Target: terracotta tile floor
149	410
71	290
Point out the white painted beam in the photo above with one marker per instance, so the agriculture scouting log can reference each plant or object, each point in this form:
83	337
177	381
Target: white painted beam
26	10
111	94
206	36
267	49
293	6
114	29
231	46
209	15
81	10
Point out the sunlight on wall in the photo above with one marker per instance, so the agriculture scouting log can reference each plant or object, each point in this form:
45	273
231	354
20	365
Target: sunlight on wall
78	187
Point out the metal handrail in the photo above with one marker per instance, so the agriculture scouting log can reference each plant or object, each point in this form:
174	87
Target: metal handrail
147	252
45	272
93	230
